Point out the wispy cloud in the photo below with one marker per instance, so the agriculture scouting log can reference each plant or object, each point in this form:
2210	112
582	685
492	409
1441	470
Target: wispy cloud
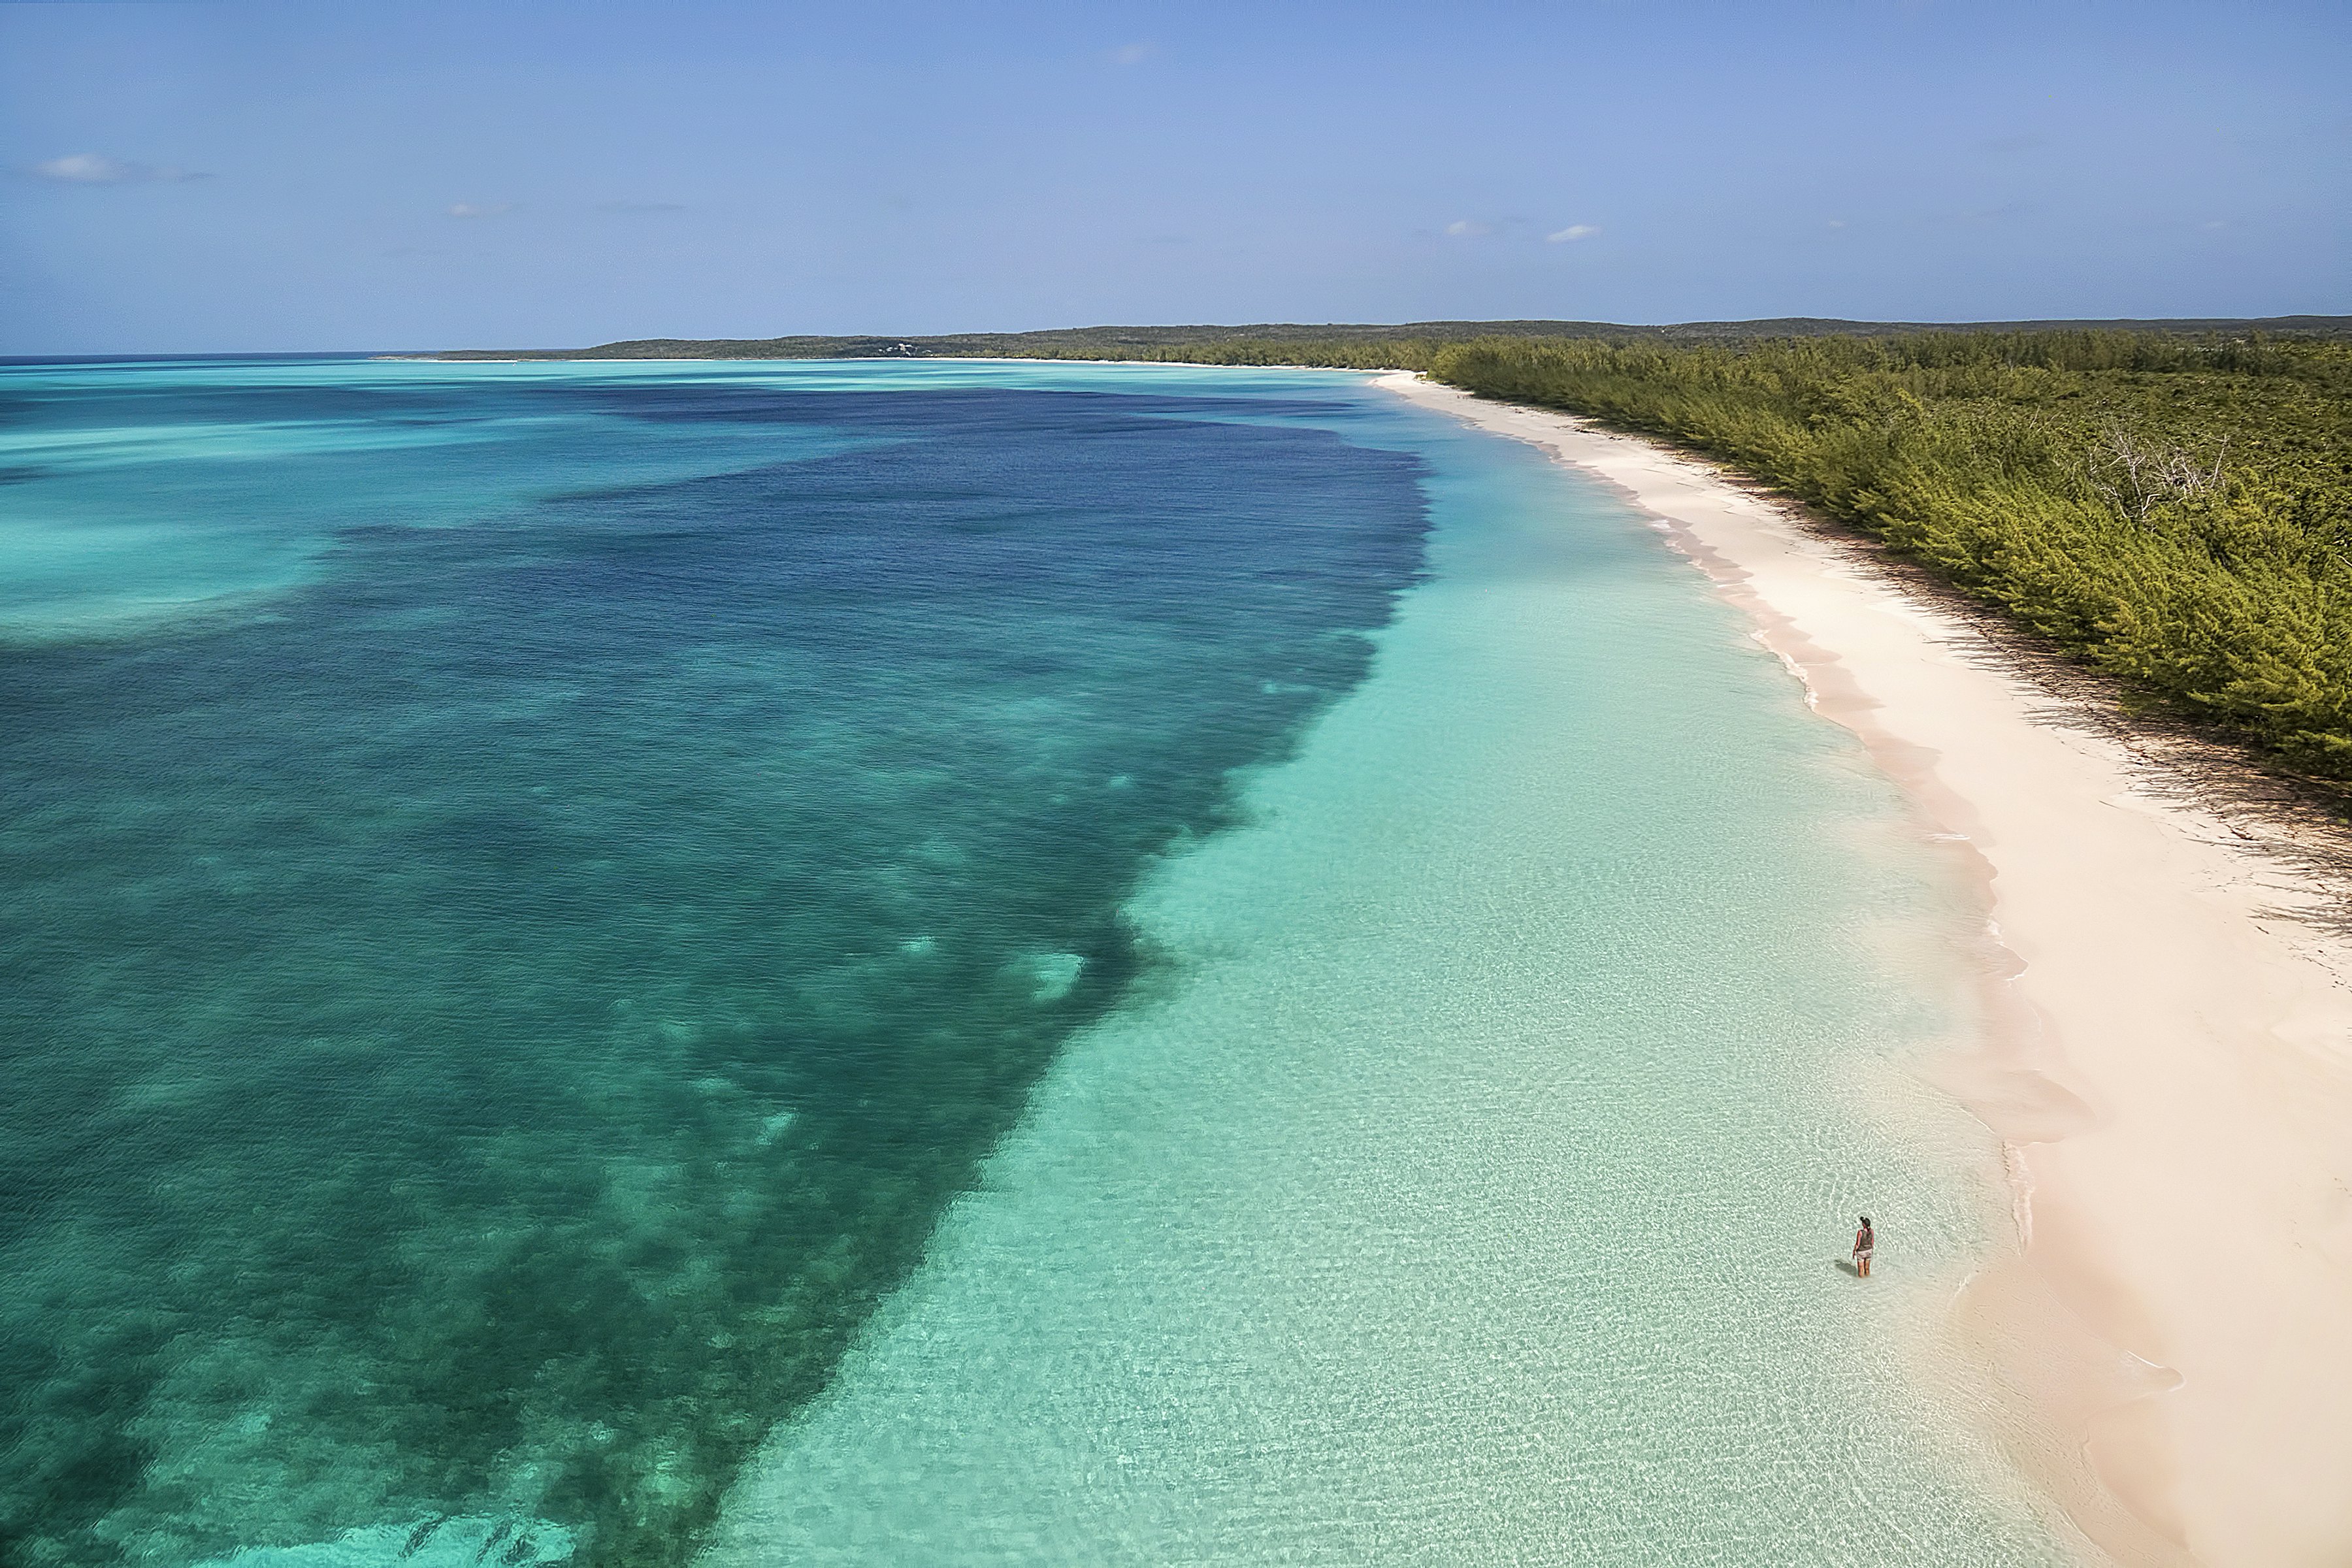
98	169
1572	232
625	206
1463	228
1837	223
1133	54
480	209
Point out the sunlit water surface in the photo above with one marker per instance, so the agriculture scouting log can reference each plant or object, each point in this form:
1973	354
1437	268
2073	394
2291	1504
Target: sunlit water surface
530	892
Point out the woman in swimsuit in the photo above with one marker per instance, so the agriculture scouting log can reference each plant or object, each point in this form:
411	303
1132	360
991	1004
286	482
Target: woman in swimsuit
1866	1241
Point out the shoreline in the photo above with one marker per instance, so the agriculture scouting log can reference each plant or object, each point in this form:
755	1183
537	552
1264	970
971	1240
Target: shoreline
2165	1062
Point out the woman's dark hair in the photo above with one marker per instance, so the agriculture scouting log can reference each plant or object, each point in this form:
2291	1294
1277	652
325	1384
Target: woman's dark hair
1865	1220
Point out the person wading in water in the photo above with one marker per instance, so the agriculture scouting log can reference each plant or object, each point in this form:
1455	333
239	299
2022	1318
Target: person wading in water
1866	1241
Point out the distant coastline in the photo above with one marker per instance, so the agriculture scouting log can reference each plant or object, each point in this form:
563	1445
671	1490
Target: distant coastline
1185	342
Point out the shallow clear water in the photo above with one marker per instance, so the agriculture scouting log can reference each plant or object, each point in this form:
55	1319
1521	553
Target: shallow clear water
525	893
1471	1182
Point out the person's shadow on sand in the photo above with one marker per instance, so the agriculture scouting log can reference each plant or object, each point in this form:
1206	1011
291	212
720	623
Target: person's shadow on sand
1846	1266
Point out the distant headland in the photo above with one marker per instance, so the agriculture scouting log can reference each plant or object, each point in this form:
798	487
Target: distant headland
1186	342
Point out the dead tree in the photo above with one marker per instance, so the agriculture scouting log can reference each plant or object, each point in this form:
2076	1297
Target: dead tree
2137	476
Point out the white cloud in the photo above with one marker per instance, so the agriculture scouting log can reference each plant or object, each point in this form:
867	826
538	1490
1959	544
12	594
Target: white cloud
1133	54
480	209
1837	223
1463	225
98	169
1573	231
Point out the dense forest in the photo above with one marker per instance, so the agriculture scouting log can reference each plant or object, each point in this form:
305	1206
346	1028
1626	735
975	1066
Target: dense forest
2173	505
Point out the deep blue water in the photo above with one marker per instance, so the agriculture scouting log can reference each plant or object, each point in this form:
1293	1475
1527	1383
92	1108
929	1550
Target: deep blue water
523	893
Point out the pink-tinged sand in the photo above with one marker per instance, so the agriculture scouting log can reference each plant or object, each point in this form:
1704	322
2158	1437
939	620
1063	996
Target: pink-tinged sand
2169	1065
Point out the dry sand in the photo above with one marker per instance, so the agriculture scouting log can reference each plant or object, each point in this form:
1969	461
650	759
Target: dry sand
2169	1067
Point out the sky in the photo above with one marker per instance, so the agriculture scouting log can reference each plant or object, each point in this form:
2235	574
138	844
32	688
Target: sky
229	178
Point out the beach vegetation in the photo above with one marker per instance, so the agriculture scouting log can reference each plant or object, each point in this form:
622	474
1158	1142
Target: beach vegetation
2177	512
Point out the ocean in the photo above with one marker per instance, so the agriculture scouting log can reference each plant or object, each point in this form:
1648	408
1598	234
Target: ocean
940	962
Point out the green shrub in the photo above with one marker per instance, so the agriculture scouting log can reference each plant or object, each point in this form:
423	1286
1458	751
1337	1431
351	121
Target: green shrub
2007	464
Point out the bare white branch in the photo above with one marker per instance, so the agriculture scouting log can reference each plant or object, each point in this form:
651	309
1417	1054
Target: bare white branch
2136	478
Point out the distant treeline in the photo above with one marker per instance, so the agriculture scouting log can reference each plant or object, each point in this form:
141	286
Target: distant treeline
2174	504
1389	347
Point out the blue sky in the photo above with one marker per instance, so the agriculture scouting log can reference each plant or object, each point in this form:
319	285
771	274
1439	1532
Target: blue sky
221	177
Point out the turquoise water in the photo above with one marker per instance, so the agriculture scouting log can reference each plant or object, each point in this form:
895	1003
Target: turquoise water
1470	1181
986	963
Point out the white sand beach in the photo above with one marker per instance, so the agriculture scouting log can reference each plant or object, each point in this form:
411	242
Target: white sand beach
2170	1064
